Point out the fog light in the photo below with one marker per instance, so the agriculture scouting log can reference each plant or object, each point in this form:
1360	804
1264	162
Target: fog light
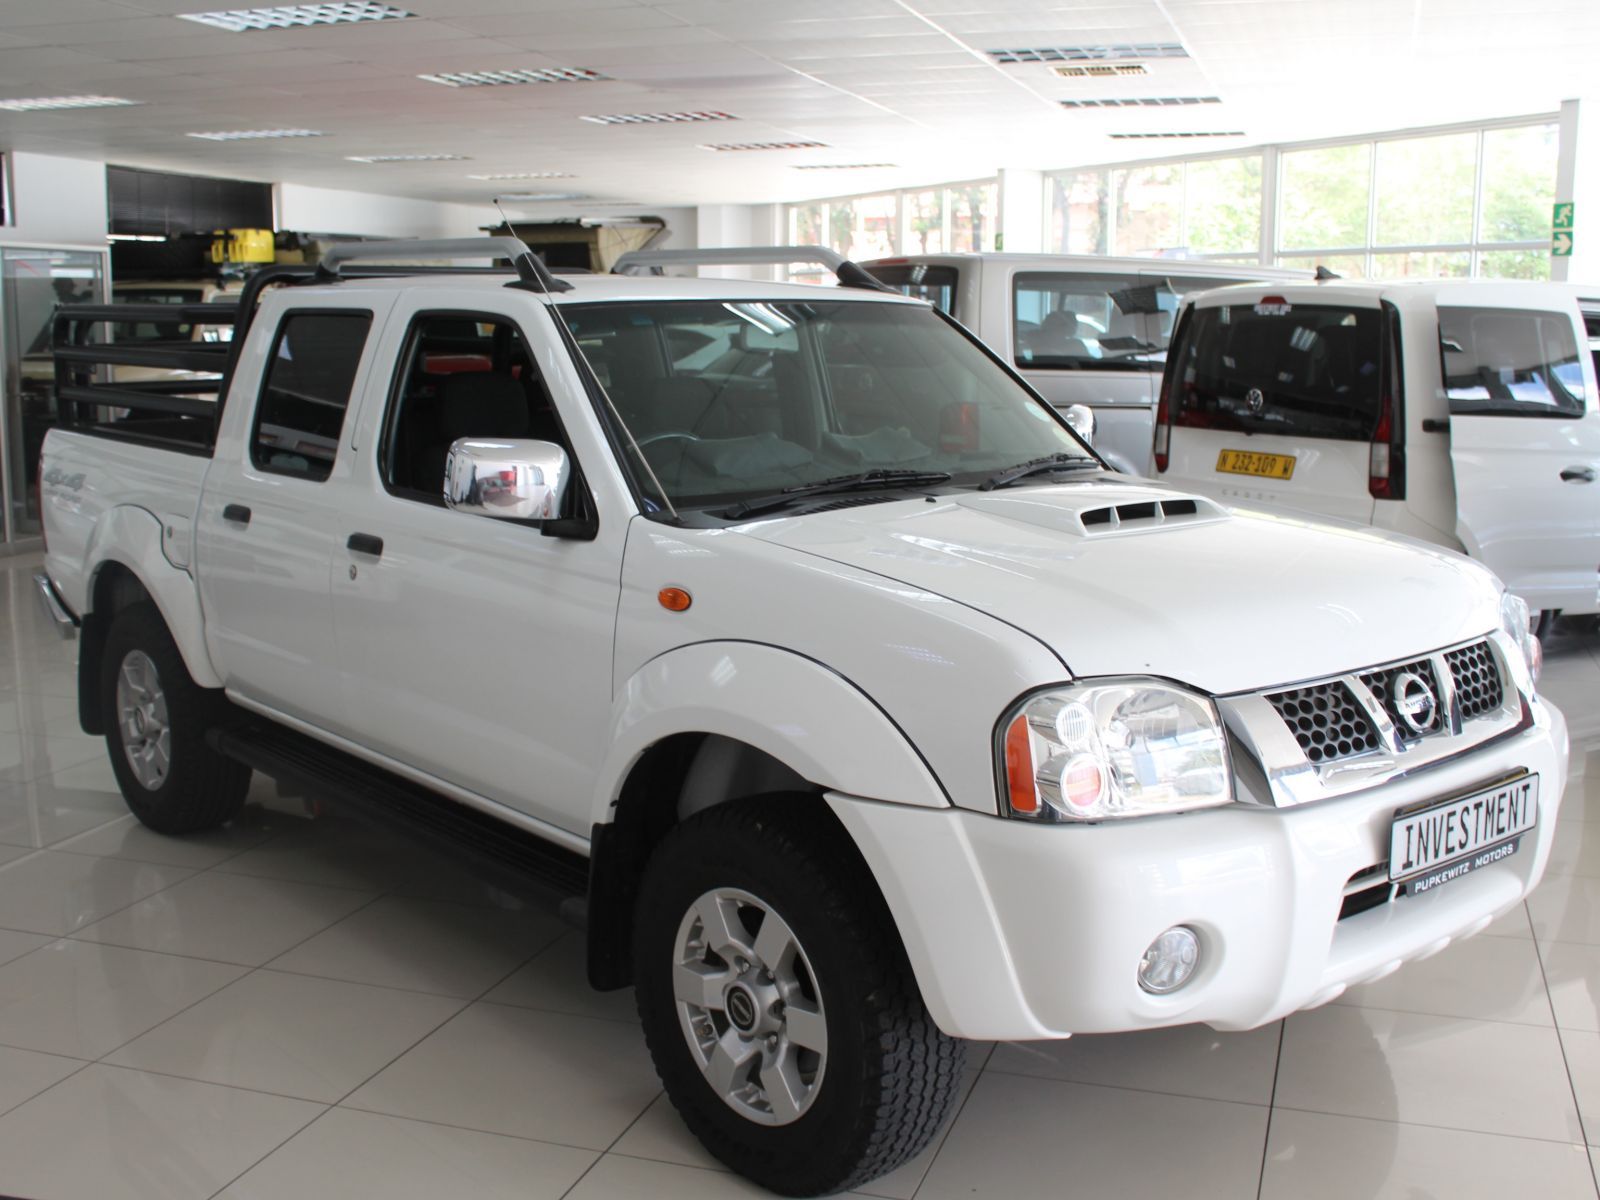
1170	961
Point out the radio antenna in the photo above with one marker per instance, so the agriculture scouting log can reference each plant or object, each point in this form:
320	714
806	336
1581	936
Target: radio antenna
571	341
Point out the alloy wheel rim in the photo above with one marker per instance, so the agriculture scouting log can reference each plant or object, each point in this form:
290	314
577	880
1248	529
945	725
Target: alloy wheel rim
749	1006
142	717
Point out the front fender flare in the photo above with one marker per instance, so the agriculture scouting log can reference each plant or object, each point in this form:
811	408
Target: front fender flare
802	713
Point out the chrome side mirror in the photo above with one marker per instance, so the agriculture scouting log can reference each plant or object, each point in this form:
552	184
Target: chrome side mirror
510	478
1081	418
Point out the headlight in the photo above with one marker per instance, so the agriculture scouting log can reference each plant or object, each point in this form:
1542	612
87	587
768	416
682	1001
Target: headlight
1517	621
1121	748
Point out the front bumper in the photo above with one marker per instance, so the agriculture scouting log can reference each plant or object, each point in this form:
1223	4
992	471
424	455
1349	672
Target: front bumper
1017	930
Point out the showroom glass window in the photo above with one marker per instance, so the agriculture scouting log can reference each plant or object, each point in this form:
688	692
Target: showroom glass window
309	378
1510	362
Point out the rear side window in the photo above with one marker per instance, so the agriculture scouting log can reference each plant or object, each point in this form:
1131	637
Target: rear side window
1306	371
1501	362
306	392
1093	322
923	281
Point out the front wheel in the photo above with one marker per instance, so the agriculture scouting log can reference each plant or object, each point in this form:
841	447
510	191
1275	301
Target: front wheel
778	1004
156	718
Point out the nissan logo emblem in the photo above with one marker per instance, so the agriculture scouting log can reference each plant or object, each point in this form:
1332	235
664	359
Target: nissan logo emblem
1415	702
1255	399
741	1009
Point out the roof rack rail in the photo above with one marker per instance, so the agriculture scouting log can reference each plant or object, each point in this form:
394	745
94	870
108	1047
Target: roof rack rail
850	274
530	268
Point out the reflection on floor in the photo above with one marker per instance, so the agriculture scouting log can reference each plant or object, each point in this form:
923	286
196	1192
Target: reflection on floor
298	1008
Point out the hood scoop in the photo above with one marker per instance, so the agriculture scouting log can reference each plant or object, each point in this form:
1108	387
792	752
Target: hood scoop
1141	515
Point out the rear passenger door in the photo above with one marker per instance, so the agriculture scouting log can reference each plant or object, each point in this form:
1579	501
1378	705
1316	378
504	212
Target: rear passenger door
1525	445
474	649
272	508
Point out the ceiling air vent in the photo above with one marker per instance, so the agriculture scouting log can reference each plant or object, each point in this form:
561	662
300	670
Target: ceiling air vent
1188	133
295	16
843	166
666	118
520	75
253	135
1049	54
1102	70
406	158
523	175
764	146
51	103
1140	101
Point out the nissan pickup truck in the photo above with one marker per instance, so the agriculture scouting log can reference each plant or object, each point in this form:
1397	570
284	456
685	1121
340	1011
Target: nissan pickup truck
859	708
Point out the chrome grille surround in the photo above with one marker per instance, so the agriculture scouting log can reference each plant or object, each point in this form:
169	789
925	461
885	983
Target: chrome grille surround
1483	693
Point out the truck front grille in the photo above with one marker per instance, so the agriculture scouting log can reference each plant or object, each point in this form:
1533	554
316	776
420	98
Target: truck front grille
1477	679
1326	720
1382	684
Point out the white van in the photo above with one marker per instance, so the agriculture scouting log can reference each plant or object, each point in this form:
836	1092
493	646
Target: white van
1081	329
1461	412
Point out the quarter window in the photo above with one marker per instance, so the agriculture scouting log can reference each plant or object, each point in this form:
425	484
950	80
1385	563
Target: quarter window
1510	363
307	389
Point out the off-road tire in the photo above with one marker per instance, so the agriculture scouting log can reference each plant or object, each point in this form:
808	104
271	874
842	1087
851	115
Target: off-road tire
891	1077
201	789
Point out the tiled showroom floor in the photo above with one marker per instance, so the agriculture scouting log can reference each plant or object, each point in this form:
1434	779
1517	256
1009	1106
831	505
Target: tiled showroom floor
298	1008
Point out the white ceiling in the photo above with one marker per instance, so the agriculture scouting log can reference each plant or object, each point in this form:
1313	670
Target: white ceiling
905	82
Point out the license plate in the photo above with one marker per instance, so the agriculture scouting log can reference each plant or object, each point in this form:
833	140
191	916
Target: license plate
1442	843
1249	462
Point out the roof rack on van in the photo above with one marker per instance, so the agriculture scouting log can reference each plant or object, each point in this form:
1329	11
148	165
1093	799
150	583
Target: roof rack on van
850	274
531	270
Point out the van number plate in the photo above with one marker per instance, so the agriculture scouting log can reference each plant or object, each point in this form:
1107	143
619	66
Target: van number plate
1248	462
1438	844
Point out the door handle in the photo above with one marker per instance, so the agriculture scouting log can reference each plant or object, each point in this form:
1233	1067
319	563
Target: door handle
1578	475
1435	425
236	512
365	543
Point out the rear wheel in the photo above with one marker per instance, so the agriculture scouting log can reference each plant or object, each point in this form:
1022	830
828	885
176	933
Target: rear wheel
778	1004
156	718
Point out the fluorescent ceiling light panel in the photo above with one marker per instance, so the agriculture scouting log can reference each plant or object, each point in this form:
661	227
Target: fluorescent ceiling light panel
667	118
295	16
512	175
1102	70
1194	133
765	146
50	103
525	197
251	135
1090	53
1140	101
520	75
843	166
406	158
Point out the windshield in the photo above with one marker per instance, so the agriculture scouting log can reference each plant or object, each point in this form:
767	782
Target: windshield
1115	322
733	400
1302	370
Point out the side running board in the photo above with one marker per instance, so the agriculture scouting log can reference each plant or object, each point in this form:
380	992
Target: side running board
387	799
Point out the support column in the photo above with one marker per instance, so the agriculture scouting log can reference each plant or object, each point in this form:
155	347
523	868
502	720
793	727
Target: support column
1578	183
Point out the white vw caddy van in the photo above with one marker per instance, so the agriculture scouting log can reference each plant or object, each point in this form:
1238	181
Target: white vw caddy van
1081	329
1460	412
857	709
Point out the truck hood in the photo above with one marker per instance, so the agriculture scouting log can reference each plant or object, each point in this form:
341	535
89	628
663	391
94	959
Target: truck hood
1122	578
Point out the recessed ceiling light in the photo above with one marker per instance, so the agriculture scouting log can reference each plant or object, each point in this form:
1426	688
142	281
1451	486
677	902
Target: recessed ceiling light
1140	101
1197	133
530	196
398	158
666	118
520	75
764	146
509	175
294	16
841	166
1090	53
250	135
47	103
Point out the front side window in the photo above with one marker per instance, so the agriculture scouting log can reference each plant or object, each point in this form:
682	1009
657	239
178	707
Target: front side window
733	400
1302	370
923	281
1510	363
306	391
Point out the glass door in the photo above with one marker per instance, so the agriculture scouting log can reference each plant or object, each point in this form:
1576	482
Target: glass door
32	283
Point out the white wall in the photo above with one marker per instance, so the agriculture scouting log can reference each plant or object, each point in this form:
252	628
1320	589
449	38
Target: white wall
306	209
56	202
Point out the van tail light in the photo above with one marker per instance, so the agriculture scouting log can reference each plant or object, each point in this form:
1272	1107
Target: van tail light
1386	457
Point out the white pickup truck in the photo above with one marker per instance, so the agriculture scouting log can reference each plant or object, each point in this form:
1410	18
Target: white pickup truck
867	710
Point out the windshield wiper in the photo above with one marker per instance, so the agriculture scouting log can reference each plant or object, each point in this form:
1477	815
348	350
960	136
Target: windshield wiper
878	477
1038	466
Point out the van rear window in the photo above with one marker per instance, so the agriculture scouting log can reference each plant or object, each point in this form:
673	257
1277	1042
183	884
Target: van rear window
1506	362
922	281
1303	370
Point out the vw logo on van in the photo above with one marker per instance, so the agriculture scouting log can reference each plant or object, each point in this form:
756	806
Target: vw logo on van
1415	702
1255	399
